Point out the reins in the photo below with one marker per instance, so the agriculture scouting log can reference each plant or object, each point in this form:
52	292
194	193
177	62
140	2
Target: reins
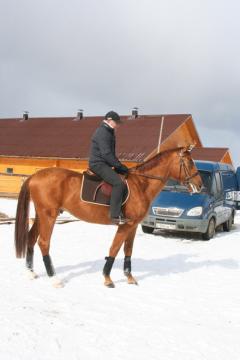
154	177
183	168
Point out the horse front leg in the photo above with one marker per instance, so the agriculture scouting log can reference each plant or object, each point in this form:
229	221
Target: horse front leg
127	266
123	233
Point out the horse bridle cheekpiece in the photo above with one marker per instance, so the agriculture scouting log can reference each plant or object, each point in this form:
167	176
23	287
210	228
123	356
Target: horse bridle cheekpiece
184	169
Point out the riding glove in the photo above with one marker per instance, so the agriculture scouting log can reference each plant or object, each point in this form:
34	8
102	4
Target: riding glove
122	169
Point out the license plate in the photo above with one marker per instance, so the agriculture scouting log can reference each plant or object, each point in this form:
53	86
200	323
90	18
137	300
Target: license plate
166	226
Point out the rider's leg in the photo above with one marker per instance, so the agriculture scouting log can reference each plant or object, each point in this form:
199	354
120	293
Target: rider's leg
111	177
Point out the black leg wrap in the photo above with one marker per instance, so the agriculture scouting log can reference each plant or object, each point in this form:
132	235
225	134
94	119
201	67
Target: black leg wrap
127	268
29	259
108	266
48	265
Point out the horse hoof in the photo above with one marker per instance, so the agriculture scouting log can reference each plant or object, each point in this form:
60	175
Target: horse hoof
131	280
56	282
110	285
31	275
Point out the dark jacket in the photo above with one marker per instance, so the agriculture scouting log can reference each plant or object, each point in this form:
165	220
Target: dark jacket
103	148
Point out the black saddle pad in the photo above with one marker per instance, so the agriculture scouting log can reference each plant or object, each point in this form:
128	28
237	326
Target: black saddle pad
97	191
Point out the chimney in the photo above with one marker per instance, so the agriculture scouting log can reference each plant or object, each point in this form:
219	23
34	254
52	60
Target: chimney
79	115
25	116
134	112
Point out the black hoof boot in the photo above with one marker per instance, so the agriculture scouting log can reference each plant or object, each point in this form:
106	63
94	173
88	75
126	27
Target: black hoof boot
29	259
127	266
48	265
108	265
106	271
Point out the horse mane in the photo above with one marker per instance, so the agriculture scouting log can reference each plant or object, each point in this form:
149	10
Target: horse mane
150	163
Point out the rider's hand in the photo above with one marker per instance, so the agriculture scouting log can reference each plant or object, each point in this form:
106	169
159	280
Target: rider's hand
122	170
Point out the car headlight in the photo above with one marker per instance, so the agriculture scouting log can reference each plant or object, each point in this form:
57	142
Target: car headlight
196	211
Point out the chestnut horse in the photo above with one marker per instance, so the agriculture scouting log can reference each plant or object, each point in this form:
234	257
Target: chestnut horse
54	189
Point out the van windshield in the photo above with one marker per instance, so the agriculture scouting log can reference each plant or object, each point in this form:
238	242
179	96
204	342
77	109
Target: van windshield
174	185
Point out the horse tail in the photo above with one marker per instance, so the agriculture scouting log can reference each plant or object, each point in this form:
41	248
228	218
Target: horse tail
22	220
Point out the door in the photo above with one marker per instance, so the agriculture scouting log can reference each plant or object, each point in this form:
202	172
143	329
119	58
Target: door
218	194
237	193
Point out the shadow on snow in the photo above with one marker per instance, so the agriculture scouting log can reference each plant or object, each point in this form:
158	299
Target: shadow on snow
152	267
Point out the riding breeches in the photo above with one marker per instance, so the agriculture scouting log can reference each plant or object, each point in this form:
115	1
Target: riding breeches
118	190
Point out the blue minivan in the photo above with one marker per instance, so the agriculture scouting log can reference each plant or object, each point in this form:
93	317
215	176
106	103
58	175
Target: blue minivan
175	209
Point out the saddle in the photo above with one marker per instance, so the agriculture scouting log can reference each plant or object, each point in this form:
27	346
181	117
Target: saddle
95	190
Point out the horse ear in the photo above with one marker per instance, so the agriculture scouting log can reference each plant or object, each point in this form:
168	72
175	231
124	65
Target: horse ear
191	146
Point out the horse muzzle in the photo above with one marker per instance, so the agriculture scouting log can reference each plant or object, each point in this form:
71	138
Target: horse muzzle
194	189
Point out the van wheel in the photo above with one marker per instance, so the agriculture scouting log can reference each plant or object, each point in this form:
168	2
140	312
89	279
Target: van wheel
147	229
227	226
209	234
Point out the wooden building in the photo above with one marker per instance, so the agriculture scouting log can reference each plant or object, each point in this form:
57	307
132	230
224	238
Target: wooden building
30	144
212	154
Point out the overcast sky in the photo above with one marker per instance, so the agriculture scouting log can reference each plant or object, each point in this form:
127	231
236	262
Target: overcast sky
164	56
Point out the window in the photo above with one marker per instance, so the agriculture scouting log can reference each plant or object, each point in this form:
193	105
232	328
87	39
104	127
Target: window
219	182
9	170
229	181
206	179
217	185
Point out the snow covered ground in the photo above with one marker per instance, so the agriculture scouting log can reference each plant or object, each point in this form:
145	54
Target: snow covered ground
186	307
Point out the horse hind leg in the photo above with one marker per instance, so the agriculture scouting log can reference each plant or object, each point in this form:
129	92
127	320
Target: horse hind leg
127	266
32	239
47	220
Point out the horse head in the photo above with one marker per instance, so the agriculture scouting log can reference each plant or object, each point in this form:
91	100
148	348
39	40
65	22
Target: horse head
185	171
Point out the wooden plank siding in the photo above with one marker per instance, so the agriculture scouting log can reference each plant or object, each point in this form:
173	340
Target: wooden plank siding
227	159
182	136
10	184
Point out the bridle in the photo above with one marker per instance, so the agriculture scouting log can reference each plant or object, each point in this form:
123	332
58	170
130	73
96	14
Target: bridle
183	168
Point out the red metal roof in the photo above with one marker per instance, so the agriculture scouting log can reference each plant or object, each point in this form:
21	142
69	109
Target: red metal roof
210	153
65	138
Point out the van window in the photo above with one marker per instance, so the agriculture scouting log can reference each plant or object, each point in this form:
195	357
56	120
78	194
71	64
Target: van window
172	182
174	185
229	181
206	177
217	185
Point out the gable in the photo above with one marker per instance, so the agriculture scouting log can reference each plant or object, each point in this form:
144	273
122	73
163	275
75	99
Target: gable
212	154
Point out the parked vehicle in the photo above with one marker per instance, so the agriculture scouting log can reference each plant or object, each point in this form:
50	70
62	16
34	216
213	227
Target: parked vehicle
175	209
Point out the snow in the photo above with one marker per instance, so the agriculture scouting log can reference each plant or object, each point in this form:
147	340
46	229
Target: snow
187	304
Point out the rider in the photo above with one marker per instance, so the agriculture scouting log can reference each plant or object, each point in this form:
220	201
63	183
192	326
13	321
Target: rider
103	159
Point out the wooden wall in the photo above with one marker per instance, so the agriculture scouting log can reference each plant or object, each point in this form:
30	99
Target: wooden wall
184	135
227	158
21	168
